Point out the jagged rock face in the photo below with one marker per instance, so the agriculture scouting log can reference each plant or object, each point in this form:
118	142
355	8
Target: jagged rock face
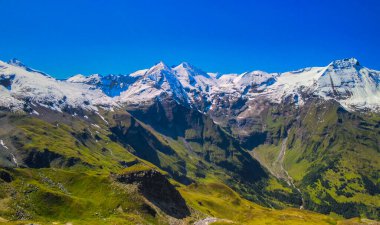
46	159
5	176
158	190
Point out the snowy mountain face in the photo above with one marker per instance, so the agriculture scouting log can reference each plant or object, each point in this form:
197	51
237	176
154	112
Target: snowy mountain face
22	87
157	82
355	87
111	85
193	79
346	81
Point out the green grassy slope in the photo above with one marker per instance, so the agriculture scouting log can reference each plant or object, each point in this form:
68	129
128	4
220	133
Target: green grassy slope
49	195
67	162
192	147
58	196
218	200
334	158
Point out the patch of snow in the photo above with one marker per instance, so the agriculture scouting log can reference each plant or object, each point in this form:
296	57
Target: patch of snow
12	155
206	221
95	125
2	144
14	159
138	73
102	117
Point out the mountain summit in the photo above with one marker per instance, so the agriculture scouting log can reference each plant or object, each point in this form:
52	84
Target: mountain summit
345	63
16	62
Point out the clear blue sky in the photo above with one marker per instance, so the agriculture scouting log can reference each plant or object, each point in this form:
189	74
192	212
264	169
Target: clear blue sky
64	38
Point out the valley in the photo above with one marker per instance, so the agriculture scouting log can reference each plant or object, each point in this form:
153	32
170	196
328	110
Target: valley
176	145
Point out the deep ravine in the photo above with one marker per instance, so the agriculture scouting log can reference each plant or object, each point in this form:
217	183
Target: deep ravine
283	173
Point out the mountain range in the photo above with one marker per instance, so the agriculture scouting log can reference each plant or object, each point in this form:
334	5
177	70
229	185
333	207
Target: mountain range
177	145
345	81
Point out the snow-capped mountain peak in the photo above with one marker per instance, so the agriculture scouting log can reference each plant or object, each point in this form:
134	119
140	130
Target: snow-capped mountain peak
138	73
256	78
353	85
25	87
80	78
161	66
344	63
156	82
193	79
185	65
187	69
17	63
